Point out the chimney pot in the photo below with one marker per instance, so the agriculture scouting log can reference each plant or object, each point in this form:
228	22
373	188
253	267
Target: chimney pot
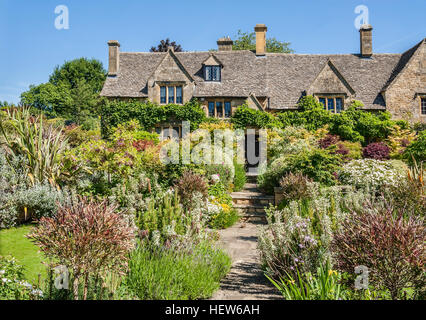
114	57
225	44
171	48
366	40
260	30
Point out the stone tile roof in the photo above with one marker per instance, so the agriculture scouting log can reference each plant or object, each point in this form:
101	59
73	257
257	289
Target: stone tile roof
281	77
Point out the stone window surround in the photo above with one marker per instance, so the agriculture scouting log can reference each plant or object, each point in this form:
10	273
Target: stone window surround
223	101
331	96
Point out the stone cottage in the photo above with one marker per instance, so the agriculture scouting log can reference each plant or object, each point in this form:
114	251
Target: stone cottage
225	79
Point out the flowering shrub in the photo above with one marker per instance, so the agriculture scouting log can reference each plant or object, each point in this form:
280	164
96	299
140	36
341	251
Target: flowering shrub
296	239
12	283
370	173
377	151
87	237
391	246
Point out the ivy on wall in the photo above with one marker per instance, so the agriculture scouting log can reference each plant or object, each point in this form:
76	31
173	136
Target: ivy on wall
352	124
148	114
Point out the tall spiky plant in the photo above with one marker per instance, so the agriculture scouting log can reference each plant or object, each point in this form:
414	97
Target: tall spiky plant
41	145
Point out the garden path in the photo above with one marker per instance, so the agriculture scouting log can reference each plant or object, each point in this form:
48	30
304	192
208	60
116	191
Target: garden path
245	281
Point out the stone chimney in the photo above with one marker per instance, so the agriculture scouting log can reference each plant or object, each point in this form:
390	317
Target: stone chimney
366	39
260	30
114	57
225	44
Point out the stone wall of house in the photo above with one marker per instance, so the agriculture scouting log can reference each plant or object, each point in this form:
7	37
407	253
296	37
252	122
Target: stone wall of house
404	94
169	73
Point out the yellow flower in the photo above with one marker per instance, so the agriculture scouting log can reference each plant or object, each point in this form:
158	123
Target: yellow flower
331	272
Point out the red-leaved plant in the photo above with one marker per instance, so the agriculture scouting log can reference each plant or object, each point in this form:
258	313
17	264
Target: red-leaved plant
377	151
391	246
89	238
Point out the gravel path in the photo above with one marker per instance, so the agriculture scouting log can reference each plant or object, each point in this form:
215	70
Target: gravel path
245	280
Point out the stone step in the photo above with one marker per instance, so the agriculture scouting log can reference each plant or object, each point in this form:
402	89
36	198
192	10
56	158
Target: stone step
252	209
250	195
251	187
251	177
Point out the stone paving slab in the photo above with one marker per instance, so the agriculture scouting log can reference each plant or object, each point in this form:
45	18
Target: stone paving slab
245	280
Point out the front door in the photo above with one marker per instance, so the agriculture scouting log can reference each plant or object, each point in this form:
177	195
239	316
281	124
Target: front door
252	152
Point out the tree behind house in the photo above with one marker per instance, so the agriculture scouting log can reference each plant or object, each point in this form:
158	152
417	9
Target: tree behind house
247	41
165	44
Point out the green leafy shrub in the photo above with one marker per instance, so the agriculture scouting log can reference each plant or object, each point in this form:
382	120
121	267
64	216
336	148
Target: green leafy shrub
158	274
224	218
318	164
417	149
245	117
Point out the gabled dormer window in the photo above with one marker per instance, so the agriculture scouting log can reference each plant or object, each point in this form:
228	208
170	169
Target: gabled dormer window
212	73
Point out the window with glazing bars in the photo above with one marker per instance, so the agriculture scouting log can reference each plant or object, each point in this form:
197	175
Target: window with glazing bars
171	94
212	73
332	104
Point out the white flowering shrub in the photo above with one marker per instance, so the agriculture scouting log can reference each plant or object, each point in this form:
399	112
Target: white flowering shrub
372	174
13	286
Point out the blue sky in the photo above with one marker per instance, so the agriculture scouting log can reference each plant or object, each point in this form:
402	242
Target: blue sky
31	46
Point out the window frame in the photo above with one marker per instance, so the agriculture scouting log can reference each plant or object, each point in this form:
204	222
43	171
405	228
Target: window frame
223	102
422	101
219	73
167	97
334	98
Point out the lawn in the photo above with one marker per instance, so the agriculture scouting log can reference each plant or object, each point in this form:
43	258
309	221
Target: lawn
13	242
